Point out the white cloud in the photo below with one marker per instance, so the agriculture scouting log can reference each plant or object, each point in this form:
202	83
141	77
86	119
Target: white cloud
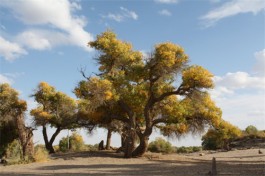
43	39
9	50
57	15
232	8
241	95
240	80
166	1
5	79
34	40
122	15
165	12
259	67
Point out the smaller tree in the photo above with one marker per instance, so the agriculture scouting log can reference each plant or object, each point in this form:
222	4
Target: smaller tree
220	136
55	109
76	143
160	145
251	130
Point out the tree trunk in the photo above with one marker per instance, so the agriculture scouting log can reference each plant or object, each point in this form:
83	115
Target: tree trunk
25	137
48	143
142	147
108	139
129	143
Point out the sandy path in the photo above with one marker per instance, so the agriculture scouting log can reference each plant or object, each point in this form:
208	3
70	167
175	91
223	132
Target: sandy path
240	162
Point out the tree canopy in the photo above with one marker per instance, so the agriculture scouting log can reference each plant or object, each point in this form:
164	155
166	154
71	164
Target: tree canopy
160	91
12	111
220	136
55	109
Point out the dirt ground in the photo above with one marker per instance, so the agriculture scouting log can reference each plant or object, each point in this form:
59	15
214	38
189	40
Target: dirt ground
239	162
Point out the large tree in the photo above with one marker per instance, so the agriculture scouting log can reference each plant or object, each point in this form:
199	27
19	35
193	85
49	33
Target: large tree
12	122
160	91
55	109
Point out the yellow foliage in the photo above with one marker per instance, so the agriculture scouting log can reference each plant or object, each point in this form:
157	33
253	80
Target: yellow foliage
197	76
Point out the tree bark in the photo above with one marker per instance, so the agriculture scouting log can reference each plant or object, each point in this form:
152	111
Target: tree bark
129	143
142	147
108	139
25	137
48	143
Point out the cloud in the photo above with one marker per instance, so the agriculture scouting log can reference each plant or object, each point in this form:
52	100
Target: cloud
231	82
232	8
122	15
240	80
34	40
241	95
166	1
5	79
165	12
56	15
259	67
9	50
43	39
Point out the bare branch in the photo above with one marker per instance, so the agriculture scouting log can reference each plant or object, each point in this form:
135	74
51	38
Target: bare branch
82	70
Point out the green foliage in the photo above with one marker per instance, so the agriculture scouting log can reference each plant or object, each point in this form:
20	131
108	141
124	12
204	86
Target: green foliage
11	107
161	145
251	130
14	150
92	147
76	143
220	137
40	153
190	149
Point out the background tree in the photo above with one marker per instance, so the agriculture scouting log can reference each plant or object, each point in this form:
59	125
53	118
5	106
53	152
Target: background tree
160	91
220	136
251	130
12	118
55	109
76	143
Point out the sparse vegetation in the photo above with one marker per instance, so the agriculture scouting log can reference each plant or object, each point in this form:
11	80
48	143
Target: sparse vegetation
40	153
161	145
76	143
190	149
221	136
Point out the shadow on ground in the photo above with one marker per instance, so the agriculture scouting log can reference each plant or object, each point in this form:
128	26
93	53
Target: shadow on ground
156	167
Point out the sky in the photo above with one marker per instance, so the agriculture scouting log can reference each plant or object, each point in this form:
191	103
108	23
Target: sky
46	40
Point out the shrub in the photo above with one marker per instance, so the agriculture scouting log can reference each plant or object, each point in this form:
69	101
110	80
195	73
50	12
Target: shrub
14	150
92	147
161	145
251	130
40	153
190	149
13	153
76	143
221	136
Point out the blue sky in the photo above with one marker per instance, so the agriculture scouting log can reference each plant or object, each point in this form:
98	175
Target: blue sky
46	40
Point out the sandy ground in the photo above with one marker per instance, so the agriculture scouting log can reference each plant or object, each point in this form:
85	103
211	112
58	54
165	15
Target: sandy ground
239	162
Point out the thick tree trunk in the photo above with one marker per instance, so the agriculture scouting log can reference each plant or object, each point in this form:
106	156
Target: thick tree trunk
142	147
129	143
25	137
108	139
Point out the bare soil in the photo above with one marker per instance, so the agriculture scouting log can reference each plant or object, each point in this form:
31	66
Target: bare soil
239	162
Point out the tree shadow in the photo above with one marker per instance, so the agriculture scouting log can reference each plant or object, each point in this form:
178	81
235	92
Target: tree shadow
170	166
